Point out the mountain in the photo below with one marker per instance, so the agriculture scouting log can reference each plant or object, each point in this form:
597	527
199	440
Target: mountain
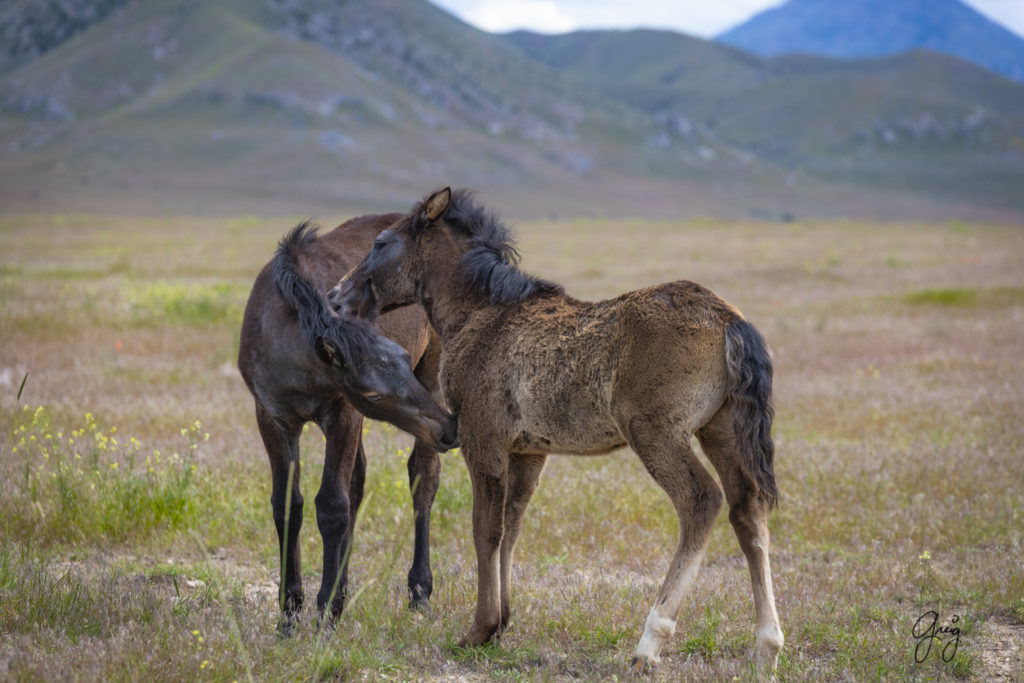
325	107
920	122
876	28
316	102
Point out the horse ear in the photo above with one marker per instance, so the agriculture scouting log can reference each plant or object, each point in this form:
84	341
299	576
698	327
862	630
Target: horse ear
329	352
436	204
369	302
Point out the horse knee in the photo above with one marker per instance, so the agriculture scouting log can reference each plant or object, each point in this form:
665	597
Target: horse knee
332	515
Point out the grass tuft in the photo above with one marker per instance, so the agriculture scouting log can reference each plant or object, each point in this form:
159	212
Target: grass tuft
943	297
704	641
200	305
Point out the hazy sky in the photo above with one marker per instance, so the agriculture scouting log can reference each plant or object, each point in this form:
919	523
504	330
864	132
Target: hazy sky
696	17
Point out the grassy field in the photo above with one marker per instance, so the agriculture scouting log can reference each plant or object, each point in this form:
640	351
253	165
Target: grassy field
137	539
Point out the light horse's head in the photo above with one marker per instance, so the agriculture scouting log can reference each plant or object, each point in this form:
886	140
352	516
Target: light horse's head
448	243
396	262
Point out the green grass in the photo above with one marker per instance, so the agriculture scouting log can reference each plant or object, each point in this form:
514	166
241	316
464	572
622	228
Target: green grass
81	484
165	303
945	296
897	437
965	297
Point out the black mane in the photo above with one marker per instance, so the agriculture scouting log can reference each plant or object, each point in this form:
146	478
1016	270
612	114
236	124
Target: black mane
315	318
491	264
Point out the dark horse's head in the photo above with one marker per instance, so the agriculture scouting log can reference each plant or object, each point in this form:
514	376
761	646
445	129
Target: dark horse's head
447	235
374	372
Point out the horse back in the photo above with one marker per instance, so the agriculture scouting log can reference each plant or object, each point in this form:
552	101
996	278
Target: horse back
565	373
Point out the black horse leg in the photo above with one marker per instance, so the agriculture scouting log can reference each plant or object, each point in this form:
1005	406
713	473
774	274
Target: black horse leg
281	440
424	476
335	513
355	497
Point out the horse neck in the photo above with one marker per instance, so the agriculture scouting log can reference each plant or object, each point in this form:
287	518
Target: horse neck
450	302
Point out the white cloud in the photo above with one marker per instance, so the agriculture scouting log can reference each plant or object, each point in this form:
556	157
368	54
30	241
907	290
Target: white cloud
704	19
506	15
1010	13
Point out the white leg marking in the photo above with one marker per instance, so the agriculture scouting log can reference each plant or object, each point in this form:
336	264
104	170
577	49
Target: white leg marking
769	634
657	630
770	638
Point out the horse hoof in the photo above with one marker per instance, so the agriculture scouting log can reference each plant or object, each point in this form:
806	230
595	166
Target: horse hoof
285	629
475	638
641	666
469	641
421	607
326	626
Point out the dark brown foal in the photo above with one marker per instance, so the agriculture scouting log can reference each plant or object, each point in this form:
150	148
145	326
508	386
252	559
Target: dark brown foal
303	363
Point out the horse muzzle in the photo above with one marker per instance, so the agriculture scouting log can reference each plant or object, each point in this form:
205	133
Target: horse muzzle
449	437
340	297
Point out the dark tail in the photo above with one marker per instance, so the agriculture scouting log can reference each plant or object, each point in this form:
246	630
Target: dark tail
314	318
749	365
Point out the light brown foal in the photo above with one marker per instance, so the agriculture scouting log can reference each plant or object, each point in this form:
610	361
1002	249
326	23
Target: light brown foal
529	371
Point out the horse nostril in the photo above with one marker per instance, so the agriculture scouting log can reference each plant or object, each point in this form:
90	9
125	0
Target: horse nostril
450	440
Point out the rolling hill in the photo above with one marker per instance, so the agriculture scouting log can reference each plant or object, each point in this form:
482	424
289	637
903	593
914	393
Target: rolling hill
877	28
919	122
311	105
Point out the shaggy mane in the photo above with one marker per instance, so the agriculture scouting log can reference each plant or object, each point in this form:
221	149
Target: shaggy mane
315	318
491	265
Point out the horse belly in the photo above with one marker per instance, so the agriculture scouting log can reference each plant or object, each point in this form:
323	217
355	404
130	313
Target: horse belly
570	425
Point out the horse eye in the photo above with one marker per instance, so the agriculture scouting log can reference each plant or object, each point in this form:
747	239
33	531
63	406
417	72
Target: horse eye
373	397
378	245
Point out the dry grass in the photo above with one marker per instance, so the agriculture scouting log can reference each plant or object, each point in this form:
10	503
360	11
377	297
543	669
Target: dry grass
899	372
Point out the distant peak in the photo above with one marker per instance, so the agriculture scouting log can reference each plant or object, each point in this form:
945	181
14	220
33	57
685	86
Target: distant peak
875	28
